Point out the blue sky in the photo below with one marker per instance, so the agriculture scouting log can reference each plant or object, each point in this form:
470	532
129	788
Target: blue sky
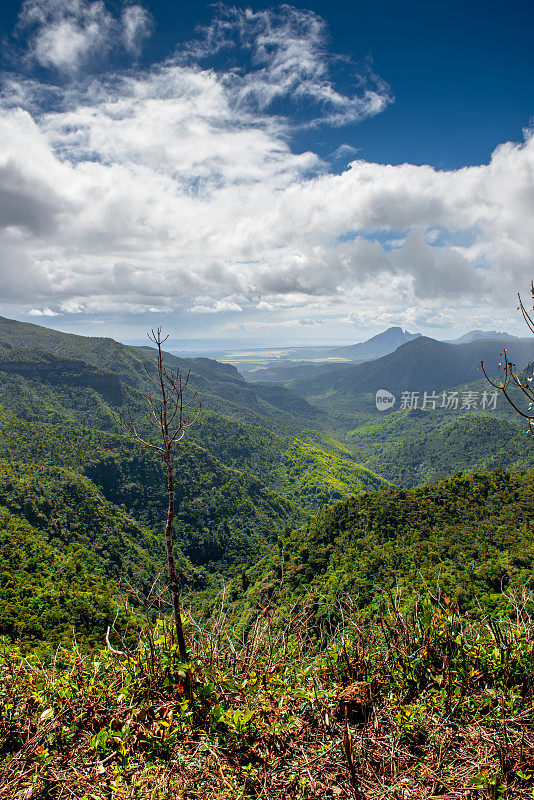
266	174
461	73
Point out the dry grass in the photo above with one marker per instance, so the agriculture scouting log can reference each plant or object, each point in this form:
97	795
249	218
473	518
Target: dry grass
451	714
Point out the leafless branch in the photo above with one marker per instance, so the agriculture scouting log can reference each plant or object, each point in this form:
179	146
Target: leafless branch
513	379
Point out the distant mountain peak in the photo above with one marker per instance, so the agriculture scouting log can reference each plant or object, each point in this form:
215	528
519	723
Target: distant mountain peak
379	345
472	336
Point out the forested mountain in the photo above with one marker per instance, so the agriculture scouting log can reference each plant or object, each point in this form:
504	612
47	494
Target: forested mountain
94	398
73	477
65	551
222	514
383	585
469	442
220	386
239	484
470	537
420	365
47	590
413	446
99	499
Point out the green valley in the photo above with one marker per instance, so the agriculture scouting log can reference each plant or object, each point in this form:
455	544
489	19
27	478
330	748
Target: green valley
306	561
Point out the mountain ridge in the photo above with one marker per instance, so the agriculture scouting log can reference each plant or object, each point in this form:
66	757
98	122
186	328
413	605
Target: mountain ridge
423	364
470	336
220	386
379	345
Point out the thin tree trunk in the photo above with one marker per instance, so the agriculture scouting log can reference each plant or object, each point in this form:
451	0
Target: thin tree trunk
163	414
173	581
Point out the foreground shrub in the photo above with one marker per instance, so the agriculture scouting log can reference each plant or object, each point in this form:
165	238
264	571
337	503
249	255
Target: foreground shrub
450	712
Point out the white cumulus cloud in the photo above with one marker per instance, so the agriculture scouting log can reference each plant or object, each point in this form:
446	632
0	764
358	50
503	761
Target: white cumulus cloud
176	187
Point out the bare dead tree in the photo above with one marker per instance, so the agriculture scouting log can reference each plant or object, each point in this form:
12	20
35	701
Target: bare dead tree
513	378
166	414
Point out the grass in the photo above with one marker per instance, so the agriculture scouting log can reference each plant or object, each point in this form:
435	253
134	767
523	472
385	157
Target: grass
256	716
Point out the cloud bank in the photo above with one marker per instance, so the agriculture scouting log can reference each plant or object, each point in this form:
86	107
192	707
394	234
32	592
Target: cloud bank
175	187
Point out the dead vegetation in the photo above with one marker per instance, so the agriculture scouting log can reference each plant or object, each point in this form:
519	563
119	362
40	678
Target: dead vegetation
443	707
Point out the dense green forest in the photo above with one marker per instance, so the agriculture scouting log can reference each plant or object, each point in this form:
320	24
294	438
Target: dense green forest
220	387
307	563
470	537
413	447
70	473
302	470
105	494
48	591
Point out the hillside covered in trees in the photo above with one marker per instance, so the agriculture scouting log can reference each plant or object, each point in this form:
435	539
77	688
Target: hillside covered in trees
241	487
308	564
470	537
